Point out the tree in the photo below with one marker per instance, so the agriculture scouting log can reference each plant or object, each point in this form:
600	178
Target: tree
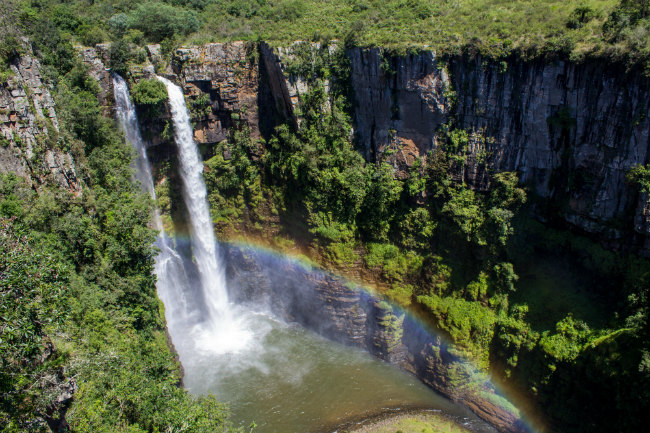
150	96
119	56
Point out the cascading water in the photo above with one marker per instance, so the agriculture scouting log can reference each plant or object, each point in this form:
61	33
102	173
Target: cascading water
129	122
280	376
220	332
172	281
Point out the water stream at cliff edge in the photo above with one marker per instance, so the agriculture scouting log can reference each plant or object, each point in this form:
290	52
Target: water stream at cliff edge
172	280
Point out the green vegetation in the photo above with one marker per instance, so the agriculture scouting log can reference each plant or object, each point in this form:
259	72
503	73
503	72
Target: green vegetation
416	423
470	324
31	288
157	21
234	184
79	307
10	45
80	268
614	29
640	175
455	255
150	96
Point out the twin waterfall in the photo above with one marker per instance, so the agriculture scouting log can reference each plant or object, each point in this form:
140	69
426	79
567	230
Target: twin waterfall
198	316
285	377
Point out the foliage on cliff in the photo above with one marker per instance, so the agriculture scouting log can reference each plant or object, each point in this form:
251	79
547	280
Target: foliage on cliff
83	345
32	283
454	251
149	95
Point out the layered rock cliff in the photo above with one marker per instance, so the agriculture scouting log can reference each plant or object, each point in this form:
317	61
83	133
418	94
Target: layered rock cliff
572	131
227	76
29	128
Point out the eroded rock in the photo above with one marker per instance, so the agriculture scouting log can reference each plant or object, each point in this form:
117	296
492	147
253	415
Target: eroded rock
29	128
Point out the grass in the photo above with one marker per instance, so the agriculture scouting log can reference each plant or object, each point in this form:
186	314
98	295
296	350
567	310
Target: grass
398	23
495	28
500	401
412	423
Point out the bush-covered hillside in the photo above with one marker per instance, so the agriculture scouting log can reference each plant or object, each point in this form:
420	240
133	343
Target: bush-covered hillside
83	345
616	29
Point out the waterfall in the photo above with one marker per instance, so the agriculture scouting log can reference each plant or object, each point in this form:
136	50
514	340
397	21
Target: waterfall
172	280
219	332
129	123
198	316
210	334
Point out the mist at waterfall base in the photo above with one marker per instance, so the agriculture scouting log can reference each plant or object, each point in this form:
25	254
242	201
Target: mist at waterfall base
279	375
288	378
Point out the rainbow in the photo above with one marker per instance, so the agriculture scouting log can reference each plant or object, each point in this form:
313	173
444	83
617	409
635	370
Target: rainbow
493	392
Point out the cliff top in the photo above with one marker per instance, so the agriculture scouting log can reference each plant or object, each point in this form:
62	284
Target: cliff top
616	29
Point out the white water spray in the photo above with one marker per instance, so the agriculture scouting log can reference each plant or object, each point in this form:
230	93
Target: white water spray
271	370
219	332
172	281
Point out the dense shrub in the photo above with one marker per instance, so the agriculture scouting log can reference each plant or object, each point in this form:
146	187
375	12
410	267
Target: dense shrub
33	284
640	175
149	95
160	21
469	324
119	56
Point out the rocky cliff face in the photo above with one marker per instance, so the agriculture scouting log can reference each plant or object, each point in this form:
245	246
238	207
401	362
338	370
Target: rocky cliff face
400	101
220	81
571	131
95	60
29	128
352	316
225	76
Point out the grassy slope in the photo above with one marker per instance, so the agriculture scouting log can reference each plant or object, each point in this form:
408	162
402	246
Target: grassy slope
444	25
420	423
496	28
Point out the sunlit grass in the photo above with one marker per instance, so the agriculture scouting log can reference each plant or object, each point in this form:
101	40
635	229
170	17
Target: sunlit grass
444	26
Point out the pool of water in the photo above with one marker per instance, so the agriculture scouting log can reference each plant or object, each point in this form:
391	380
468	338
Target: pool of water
290	380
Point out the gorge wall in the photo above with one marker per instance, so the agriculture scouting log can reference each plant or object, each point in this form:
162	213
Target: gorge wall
571	131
